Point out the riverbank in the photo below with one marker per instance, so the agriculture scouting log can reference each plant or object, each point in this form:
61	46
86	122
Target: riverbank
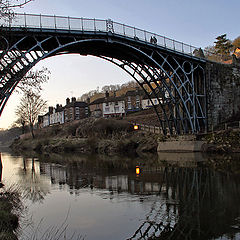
225	141
111	136
101	136
10	207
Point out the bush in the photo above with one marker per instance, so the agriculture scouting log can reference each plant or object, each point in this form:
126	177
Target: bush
110	127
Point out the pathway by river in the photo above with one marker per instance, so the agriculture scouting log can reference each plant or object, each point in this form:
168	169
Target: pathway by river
95	197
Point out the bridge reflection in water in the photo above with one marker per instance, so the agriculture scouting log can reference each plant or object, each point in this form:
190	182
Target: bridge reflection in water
188	200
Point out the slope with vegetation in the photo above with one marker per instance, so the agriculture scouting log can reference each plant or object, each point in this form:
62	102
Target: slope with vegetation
104	136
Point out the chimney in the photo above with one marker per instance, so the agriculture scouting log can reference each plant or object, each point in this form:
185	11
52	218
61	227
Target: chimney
50	110
106	94
67	101
73	99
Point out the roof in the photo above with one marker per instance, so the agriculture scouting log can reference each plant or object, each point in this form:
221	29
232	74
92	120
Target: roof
97	101
113	99
152	96
134	92
76	104
108	99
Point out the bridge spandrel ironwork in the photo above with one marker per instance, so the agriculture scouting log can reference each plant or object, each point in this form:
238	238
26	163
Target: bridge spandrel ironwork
167	70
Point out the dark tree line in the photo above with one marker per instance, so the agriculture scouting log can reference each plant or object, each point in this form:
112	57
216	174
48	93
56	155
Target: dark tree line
223	48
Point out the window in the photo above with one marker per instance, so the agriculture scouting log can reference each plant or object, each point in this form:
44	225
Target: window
116	109
107	109
77	113
107	104
86	111
116	103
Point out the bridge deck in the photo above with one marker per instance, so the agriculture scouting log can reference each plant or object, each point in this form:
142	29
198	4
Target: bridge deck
77	26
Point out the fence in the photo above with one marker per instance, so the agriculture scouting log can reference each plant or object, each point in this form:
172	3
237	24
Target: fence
98	25
226	126
158	130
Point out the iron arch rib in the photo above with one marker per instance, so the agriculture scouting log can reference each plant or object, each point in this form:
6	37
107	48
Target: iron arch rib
161	74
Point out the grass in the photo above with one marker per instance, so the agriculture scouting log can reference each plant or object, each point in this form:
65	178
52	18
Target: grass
10	208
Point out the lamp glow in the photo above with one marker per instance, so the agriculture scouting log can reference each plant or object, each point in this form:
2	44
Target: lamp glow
135	127
137	170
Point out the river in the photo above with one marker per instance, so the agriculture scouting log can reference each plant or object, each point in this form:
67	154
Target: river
175	196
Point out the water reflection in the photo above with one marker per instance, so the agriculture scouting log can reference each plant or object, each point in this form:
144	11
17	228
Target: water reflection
181	198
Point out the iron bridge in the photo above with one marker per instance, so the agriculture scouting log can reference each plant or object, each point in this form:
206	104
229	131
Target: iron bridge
167	70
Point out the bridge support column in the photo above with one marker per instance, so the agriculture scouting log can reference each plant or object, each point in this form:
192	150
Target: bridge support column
223	92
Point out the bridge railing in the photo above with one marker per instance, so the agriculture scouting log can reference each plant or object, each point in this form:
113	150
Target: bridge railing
96	25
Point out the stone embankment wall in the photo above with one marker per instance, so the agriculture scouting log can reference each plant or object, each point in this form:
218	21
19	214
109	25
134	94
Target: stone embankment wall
223	91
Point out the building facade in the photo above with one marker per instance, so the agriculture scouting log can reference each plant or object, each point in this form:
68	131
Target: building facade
133	100
113	107
57	116
96	107
75	110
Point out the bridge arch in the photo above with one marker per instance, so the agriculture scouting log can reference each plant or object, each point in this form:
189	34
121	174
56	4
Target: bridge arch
165	75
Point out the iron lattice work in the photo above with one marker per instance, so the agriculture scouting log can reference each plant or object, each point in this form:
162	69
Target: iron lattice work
173	80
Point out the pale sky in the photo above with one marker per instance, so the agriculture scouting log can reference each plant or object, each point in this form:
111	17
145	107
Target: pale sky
196	22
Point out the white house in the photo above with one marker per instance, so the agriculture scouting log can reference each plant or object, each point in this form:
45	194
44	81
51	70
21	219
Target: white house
57	115
113	107
46	120
146	103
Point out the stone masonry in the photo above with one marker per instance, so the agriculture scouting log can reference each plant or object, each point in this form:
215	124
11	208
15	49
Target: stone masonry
223	92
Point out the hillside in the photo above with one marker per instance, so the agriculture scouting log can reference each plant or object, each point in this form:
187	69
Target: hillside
7	136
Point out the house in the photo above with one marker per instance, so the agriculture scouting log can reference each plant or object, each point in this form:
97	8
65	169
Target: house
75	110
113	106
46	120
40	121
96	107
57	116
147	103
133	100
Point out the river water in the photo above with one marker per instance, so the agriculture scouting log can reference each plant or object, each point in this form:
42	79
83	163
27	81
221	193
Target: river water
175	196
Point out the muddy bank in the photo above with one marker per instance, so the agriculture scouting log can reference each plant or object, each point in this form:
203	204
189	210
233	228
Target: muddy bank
227	141
101	136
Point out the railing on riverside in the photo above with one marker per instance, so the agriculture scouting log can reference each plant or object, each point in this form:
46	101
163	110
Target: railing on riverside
226	126
158	130
97	25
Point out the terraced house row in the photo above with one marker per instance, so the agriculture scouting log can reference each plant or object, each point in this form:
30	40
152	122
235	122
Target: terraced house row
107	106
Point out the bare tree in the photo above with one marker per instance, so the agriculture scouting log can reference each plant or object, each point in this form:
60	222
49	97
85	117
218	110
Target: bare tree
31	105
20	122
33	80
7	7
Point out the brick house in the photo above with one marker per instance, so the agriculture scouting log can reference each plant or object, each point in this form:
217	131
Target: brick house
96	107
75	110
133	100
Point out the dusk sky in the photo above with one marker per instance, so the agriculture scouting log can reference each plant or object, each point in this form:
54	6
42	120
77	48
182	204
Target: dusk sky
191	21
